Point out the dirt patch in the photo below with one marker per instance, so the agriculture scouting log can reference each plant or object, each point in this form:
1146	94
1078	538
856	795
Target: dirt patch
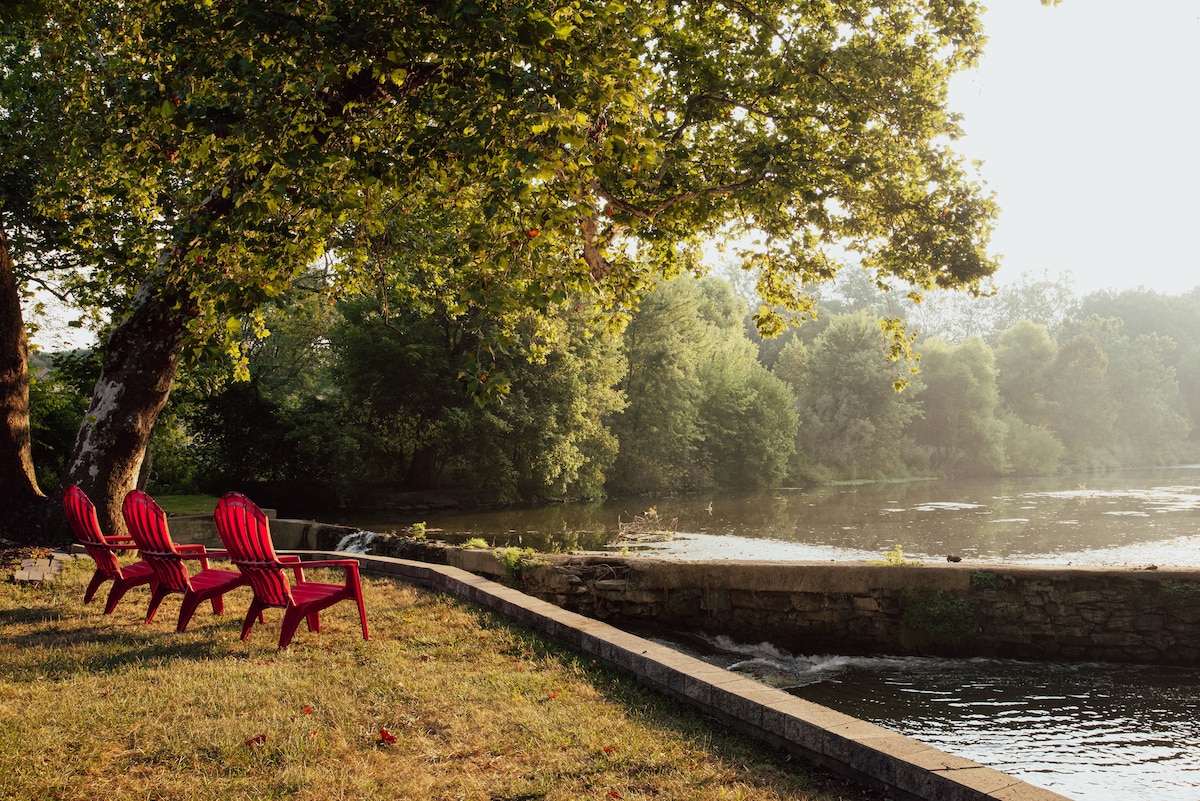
11	555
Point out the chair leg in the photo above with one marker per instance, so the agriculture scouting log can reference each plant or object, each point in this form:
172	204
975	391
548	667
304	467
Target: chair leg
256	610
291	621
314	621
115	595
98	578
156	598
362	615
191	601
218	604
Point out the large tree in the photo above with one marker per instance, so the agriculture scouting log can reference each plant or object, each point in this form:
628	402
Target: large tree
31	249
18	482
1084	414
209	151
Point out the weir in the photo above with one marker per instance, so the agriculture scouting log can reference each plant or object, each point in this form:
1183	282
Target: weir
1061	614
902	767
1028	612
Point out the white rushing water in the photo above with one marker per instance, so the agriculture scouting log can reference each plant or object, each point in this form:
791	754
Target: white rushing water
1092	732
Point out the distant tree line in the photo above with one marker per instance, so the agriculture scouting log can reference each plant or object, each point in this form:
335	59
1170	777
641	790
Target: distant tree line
369	391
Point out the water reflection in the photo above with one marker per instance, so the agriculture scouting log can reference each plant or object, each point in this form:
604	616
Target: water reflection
1090	732
1127	517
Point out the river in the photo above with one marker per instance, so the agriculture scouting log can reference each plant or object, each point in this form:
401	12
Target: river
1091	732
1128	517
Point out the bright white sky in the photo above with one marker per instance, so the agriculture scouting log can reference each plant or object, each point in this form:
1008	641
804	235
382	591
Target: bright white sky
1087	118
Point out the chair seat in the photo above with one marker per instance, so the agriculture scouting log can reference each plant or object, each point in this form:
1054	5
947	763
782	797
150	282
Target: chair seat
137	570
306	592
206	580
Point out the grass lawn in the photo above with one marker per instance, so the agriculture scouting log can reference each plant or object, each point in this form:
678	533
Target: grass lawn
187	504
447	701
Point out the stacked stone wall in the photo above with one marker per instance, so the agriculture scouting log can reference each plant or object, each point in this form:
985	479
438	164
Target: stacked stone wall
1018	612
1038	612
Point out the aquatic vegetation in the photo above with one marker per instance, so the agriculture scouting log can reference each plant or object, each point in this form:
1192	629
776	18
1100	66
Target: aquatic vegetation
936	623
895	556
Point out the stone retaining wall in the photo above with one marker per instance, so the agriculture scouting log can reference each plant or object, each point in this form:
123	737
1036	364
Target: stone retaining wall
900	767
1047	613
1008	611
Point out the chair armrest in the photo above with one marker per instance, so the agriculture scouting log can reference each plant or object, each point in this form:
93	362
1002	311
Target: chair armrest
199	548
349	565
219	554
295	562
196	551
333	563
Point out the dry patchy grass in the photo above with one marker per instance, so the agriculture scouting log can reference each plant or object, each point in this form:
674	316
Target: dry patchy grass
447	701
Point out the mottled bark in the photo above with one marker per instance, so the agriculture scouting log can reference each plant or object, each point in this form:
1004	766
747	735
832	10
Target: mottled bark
423	469
20	496
140	362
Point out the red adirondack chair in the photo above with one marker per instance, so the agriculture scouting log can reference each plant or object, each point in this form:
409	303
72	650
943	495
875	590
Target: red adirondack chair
244	531
85	525
147	523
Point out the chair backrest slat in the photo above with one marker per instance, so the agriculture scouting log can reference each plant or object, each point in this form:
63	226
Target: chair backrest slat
85	525
147	523
246	535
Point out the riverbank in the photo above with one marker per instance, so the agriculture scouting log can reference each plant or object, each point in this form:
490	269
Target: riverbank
446	701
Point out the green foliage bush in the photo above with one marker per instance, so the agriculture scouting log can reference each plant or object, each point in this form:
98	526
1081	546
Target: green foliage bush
895	556
936	623
1182	592
986	580
515	561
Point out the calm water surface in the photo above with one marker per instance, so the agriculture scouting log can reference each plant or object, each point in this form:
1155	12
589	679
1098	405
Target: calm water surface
1127	517
1090	732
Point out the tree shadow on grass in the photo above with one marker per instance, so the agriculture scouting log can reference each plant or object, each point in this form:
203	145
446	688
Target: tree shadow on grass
54	648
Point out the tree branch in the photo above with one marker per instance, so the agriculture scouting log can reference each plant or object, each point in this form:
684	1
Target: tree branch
650	212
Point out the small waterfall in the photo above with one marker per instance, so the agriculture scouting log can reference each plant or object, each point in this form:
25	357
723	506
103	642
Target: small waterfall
356	542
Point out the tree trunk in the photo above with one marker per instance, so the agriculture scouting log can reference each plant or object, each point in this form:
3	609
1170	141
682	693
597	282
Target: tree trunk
423	469
21	497
139	368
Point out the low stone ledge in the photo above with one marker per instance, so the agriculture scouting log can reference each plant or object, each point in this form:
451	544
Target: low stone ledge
1031	612
903	766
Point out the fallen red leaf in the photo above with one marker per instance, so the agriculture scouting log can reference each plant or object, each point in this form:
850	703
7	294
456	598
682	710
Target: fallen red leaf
613	794
257	739
306	710
386	737
552	695
608	749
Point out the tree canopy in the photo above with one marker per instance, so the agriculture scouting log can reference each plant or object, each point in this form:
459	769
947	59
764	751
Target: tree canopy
202	154
216	148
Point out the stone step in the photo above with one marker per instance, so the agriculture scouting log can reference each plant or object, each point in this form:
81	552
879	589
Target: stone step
35	571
